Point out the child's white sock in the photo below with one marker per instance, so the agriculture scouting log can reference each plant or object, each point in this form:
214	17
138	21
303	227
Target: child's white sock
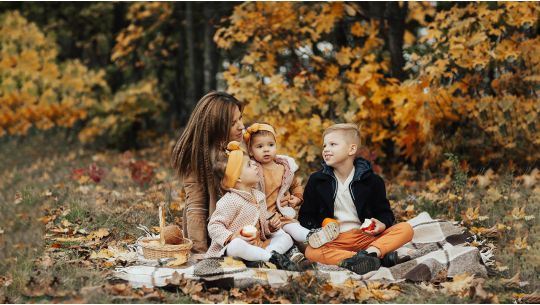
297	232
240	248
280	243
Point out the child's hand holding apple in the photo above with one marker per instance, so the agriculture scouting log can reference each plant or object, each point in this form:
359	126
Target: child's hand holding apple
247	233
373	227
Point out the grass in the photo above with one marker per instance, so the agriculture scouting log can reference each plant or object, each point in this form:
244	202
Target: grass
39	197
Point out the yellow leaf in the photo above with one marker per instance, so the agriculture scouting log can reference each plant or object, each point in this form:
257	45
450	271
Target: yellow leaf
229	262
343	57
408	38
261	274
180	260
66	223
268	265
84	179
357	30
493	194
100	233
459	285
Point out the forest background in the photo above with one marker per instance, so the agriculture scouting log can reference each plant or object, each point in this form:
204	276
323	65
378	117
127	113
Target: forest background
446	94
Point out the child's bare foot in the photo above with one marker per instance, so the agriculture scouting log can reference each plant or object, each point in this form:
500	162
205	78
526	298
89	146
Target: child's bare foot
320	236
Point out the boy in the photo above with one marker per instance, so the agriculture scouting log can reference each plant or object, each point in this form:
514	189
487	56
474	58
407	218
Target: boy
347	190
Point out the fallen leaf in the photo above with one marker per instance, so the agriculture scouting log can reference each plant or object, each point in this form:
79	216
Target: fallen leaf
261	274
100	233
46	261
229	262
533	298
494	194
66	223
479	295
459	285
513	282
179	261
493	232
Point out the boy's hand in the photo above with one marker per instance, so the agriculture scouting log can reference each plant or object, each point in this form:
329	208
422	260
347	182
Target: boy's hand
275	222
378	229
249	240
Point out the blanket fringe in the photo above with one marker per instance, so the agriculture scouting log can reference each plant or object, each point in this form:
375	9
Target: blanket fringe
486	252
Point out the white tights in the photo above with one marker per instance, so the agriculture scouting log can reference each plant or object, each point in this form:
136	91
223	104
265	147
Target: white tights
239	248
295	230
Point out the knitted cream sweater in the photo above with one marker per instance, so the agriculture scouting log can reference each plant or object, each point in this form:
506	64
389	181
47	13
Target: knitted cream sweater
344	208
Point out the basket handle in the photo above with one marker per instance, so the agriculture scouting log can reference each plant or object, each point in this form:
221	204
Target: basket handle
161	225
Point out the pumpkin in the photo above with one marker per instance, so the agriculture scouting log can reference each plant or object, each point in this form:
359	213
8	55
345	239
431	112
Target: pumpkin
328	220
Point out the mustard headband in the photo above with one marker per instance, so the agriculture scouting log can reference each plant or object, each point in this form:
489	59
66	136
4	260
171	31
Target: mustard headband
256	127
234	165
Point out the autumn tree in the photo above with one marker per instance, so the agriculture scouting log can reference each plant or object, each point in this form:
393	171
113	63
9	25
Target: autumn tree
34	89
476	85
298	75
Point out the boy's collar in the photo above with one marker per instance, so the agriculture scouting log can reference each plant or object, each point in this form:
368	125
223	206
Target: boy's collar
361	167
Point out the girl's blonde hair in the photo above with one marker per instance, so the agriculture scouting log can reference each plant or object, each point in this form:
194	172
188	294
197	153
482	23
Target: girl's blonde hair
207	131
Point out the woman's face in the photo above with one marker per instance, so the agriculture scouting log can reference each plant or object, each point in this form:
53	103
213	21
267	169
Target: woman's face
235	133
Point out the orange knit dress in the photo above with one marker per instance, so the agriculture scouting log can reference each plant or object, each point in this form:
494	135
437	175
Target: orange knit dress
272	185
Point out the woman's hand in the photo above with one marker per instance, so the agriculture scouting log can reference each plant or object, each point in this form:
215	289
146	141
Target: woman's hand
249	240
275	222
378	229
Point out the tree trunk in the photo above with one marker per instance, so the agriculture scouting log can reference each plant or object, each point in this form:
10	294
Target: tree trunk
396	32
209	64
191	56
179	85
376	9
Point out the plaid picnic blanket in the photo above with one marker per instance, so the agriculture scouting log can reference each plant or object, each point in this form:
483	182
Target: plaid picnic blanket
437	245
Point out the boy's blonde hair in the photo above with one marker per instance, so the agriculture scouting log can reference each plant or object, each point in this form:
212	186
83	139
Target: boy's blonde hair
350	132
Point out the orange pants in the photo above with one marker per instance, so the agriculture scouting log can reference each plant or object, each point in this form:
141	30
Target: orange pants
347	244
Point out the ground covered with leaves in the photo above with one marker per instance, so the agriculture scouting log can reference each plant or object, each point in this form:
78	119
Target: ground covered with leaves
67	216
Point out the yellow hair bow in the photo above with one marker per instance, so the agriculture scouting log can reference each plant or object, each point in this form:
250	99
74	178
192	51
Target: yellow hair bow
234	165
256	127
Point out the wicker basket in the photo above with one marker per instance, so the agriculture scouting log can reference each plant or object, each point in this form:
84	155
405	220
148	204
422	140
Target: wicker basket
163	250
157	252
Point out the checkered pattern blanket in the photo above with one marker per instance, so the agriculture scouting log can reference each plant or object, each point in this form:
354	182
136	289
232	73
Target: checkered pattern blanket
437	245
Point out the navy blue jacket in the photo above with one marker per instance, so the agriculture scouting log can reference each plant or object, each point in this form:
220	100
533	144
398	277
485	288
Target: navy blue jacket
367	191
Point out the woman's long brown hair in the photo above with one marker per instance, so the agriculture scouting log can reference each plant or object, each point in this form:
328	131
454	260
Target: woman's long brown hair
207	130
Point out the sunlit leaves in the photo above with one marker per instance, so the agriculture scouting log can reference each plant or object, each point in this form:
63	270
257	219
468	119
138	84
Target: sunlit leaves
34	89
473	76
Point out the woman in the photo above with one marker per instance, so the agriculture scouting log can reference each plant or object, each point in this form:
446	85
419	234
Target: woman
215	121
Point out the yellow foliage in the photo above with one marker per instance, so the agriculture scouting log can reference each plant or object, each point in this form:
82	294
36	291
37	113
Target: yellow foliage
34	89
469	89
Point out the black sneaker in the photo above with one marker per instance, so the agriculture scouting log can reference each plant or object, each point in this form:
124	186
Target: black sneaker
294	255
389	260
361	263
320	236
282	262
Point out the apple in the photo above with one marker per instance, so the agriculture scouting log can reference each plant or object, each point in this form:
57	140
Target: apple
368	225
248	231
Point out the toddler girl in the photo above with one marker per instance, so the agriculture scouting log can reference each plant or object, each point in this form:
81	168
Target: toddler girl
242	206
283	191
